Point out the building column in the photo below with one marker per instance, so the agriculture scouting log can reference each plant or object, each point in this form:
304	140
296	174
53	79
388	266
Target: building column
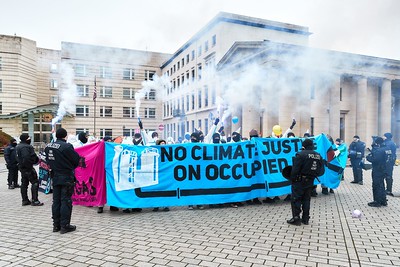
334	108
361	108
386	107
31	122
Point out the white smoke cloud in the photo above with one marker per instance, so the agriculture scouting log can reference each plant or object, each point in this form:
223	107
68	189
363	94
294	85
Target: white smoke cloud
68	94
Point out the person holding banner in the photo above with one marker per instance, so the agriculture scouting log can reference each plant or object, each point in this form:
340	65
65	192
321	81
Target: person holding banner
195	137
307	166
63	160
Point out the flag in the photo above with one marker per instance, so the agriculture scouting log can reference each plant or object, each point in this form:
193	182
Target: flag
94	90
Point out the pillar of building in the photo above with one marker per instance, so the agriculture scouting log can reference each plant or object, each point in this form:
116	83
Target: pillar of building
386	107
334	108
31	122
361	108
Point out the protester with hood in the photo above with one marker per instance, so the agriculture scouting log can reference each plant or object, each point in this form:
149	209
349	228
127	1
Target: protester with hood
236	137
378	157
387	137
213	129
83	138
11	164
26	158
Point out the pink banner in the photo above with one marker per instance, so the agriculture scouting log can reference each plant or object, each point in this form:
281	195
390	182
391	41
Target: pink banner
90	188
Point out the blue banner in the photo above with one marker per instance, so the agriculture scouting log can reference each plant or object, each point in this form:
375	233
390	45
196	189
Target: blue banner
196	173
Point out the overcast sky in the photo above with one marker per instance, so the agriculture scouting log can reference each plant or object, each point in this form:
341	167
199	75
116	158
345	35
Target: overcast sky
369	27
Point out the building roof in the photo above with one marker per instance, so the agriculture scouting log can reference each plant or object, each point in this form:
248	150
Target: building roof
242	20
50	108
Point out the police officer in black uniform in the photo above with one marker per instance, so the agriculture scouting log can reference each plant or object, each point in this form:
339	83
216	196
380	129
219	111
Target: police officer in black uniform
27	157
379	157
12	164
387	137
62	159
356	154
307	165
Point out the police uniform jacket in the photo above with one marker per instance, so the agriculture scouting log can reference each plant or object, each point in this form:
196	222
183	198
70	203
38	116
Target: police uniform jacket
26	156
307	165
62	159
10	157
378	158
356	150
392	146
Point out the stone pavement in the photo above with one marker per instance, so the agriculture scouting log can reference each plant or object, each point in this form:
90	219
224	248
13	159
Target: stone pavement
247	236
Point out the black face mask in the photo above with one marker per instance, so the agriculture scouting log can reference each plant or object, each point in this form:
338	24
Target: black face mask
194	140
236	138
28	141
216	140
14	144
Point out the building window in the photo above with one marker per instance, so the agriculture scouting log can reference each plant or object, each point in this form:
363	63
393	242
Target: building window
199	98
183	62
82	111
341	94
1	63
105	72
199	51
54	99
199	71
193	74
205	96
128	74
106	91
205	46
148	75
82	90
150	113
312	126
128	112
178	65
128	132
80	130
1	107
206	125
199	123
105	132
80	70
213	96
53	68
53	84
193	101
105	111
193	55
151	95
214	40
187	59
128	93
187	102
1	85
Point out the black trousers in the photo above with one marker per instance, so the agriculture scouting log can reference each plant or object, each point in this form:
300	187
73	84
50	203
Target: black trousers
62	204
301	197
12	175
29	176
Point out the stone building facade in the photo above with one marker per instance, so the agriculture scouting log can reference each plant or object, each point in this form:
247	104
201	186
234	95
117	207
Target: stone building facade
261	72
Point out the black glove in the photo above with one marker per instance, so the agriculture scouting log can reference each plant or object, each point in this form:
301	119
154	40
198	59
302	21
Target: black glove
140	125
216	121
293	124
221	129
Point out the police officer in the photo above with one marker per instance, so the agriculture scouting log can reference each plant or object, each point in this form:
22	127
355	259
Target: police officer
378	157
26	158
12	164
356	154
387	137
307	165
62	159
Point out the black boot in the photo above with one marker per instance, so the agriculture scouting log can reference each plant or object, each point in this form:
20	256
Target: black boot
294	221
68	228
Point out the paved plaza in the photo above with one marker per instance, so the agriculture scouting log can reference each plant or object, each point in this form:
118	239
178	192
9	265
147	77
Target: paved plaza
247	236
